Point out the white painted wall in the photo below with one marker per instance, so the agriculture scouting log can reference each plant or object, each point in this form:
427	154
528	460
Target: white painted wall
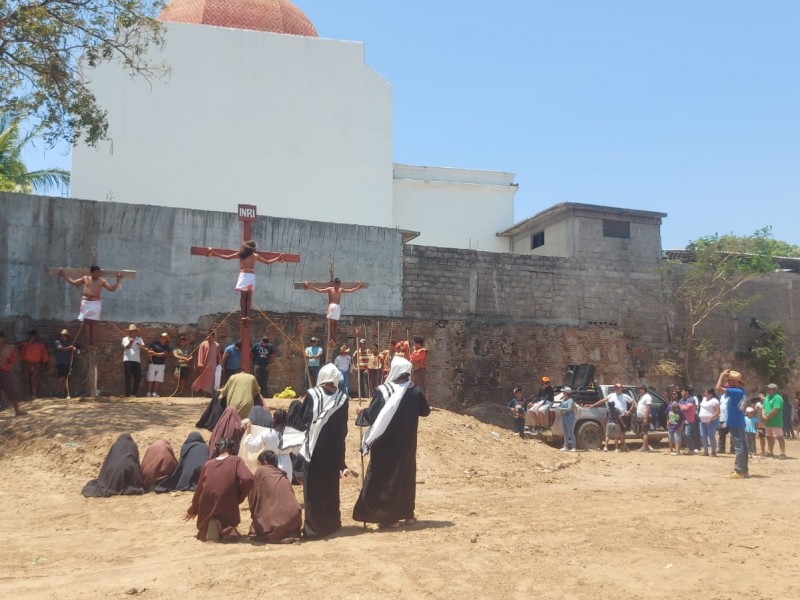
298	126
454	208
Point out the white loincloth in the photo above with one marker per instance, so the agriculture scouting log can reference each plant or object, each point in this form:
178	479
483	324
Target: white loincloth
90	309
334	312
246	282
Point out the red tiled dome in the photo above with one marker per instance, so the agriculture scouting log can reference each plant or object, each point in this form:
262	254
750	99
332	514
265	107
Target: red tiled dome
277	16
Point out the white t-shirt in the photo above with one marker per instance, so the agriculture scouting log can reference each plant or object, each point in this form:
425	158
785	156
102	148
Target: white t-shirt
644	401
623	401
707	408
723	409
134	352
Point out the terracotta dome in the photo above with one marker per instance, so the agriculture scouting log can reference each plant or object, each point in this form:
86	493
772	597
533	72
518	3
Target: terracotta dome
277	16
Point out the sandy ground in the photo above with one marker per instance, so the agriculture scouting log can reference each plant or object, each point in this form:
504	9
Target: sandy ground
499	518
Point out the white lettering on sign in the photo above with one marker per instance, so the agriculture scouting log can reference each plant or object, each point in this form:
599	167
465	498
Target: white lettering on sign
247	212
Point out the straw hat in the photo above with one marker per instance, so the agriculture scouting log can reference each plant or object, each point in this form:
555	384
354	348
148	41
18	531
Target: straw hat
735	376
64	332
132	327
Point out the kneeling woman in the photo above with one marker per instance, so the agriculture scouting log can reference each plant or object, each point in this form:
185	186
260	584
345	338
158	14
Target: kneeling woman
276	514
224	483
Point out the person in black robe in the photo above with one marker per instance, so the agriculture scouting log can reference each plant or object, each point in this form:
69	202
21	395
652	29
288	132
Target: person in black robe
324	418
212	413
260	416
194	453
389	491
120	473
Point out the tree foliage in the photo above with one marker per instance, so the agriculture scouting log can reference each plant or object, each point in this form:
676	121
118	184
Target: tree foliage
46	47
711	277
14	176
769	352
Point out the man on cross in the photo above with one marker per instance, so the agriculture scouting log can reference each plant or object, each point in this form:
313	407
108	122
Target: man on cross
246	282
91	302
334	300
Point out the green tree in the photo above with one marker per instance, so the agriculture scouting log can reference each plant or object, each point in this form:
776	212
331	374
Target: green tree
46	47
710	277
769	351
14	176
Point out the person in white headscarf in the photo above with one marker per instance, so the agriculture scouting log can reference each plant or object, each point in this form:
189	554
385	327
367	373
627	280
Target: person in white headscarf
324	424
389	491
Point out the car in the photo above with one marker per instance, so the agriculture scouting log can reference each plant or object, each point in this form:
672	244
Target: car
589	423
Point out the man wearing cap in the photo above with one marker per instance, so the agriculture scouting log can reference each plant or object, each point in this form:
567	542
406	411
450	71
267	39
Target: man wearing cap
8	356
730	382
361	359
64	351
132	360
773	414
540	407
262	355
313	356
34	361
158	351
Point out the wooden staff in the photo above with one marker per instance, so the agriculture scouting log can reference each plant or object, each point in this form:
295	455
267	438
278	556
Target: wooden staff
305	358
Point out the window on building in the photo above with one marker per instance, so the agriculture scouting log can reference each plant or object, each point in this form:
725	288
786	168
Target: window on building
537	239
616	229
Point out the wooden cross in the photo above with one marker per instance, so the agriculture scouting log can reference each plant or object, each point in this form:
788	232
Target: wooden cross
72	274
247	216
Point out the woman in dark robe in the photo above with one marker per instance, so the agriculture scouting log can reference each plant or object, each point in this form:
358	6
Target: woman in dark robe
277	517
120	473
158	463
212	413
229	427
194	453
389	491
260	416
325	410
225	481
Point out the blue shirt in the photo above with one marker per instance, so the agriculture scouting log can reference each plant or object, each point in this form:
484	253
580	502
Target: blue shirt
735	414
750	424
234	360
315	352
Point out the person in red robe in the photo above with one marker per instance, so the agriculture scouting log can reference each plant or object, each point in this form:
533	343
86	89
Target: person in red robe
208	357
225	481
277	517
158	463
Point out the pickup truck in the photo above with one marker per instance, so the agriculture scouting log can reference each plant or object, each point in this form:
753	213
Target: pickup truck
589	424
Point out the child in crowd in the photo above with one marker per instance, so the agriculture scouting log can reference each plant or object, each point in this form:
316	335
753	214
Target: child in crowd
517	408
761	427
613	426
674	426
750	428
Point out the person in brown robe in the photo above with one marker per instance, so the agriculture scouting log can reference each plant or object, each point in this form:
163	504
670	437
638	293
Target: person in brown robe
229	427
225	481
158	463
277	518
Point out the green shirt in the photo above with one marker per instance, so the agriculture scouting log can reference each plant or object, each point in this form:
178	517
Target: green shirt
771	402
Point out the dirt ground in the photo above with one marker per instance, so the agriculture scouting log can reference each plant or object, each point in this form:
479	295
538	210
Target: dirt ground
498	518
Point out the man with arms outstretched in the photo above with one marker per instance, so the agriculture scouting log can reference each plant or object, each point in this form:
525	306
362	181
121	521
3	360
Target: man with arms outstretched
334	302
91	303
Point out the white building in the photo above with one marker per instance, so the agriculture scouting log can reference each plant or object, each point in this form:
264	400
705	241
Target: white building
257	109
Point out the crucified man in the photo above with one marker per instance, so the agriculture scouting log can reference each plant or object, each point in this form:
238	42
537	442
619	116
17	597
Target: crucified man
91	303
246	283
334	302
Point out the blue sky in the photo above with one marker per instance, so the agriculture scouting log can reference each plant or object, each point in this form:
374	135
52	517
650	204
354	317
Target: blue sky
687	108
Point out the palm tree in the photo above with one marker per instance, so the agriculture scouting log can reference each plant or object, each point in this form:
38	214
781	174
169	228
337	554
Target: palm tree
14	176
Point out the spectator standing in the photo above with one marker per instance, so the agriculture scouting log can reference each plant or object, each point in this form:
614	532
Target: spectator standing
761	429
313	356
231	361
344	362
8	356
622	403
402	349
773	415
386	360
568	410
709	421
644	409
183	369
730	382
516	407
34	362
158	351
64	352
419	358
374	365
722	430
675	421
262	357
361	358
688	405
132	360
750	428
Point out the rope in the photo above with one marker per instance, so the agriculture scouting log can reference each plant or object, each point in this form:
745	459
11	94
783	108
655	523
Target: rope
71	361
280	330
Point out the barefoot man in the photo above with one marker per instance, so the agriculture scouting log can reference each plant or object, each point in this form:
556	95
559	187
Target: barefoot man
91	303
334	302
246	283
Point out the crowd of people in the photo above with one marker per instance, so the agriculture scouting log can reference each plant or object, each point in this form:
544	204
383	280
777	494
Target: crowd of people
260	457
696	424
